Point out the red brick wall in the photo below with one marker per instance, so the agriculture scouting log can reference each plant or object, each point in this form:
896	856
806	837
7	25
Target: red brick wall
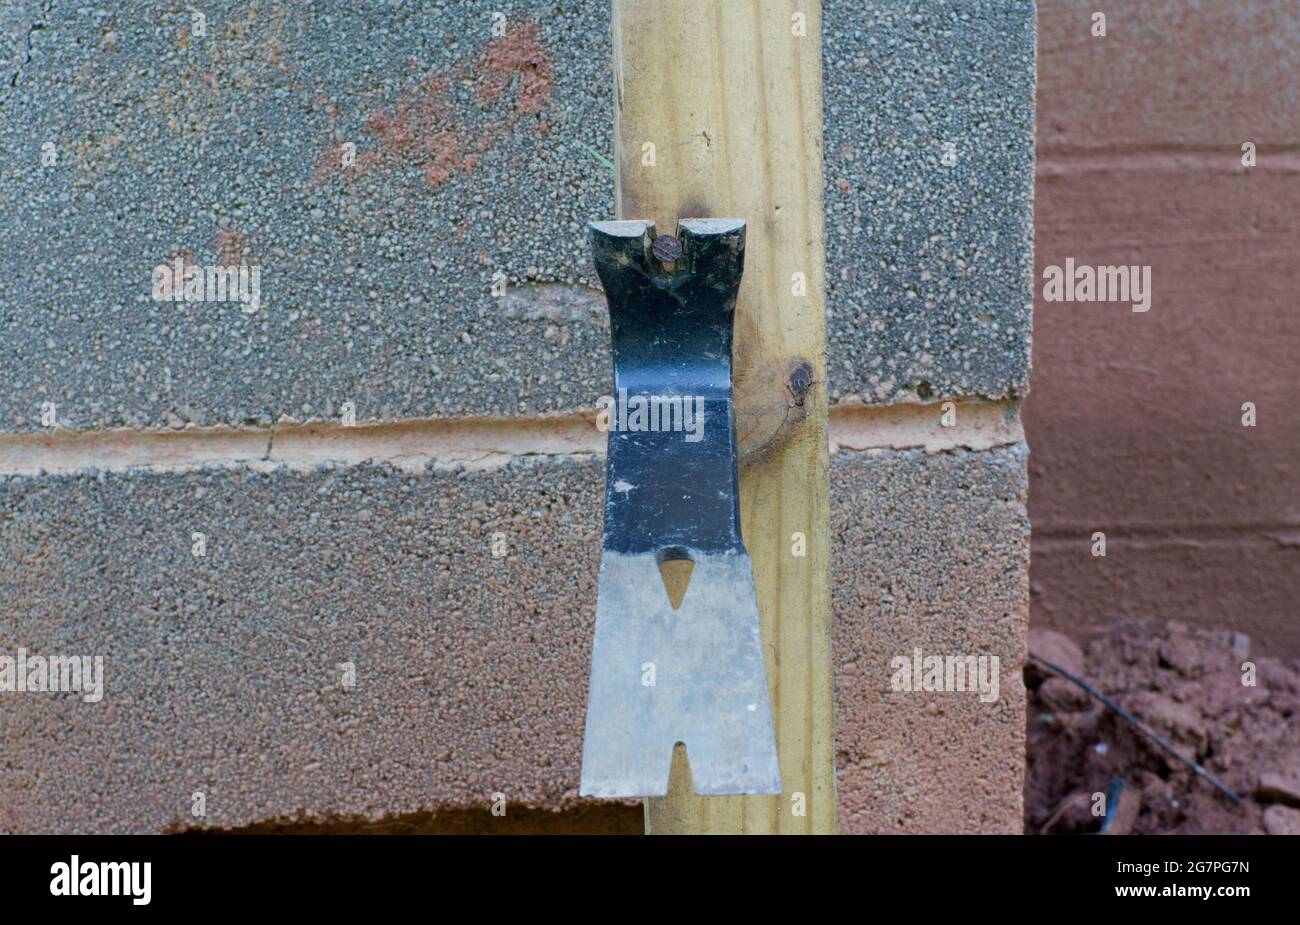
1134	419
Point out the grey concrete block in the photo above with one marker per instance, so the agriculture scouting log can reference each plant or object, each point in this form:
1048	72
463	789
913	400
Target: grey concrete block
16	32
930	553
929	266
222	672
472	159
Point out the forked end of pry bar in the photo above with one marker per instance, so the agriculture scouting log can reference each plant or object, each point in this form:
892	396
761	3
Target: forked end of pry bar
691	674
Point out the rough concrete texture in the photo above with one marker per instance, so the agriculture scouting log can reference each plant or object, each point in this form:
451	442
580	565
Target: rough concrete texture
914	536
129	140
1136	418
475	155
375	277
222	672
928	265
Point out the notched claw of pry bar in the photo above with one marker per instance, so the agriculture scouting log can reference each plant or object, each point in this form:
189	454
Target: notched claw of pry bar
694	673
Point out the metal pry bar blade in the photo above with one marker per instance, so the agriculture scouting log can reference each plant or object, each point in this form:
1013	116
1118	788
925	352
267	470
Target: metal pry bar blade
694	674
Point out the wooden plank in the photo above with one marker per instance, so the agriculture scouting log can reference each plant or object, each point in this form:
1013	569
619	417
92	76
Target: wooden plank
729	97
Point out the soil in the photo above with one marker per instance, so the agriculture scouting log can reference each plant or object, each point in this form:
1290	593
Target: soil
1217	702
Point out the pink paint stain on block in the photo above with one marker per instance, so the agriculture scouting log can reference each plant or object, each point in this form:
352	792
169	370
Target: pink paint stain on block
425	129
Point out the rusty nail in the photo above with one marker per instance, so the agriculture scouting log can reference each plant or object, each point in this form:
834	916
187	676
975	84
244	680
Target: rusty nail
668	249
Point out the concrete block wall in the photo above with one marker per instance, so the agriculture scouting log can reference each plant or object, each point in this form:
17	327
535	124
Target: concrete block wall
394	470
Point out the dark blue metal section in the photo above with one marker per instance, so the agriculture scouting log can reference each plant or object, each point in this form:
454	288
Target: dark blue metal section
671	330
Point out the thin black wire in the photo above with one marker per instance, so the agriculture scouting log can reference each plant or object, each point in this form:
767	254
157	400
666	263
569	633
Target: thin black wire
1142	727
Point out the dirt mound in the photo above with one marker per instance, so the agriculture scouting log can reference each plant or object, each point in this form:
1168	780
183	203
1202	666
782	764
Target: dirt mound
1215	701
